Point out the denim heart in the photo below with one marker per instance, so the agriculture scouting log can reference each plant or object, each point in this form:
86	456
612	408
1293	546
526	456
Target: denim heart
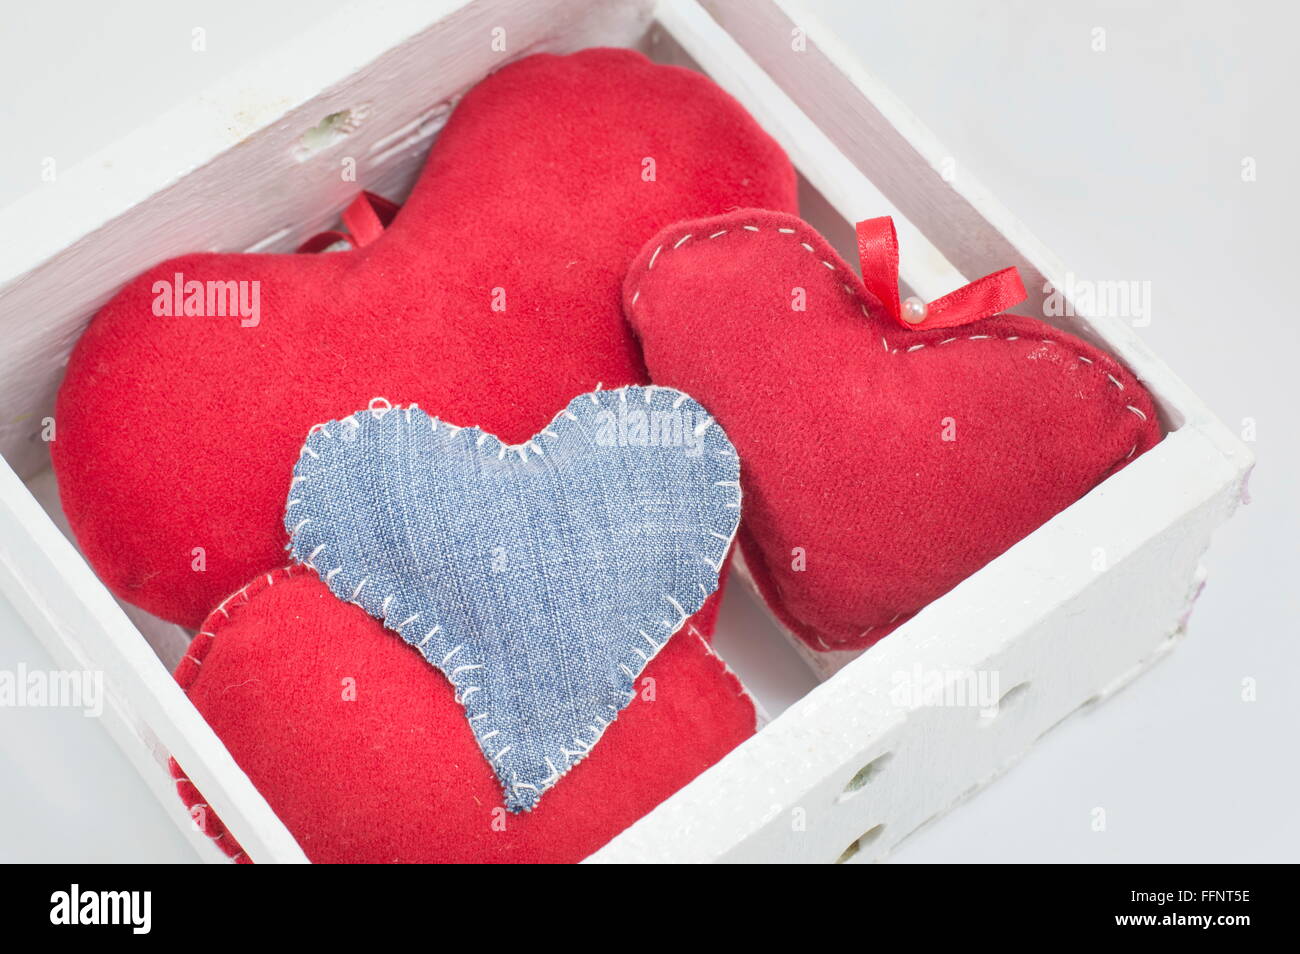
540	578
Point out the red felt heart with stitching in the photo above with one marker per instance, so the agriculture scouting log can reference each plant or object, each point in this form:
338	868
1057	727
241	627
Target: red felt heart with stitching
880	465
360	747
177	435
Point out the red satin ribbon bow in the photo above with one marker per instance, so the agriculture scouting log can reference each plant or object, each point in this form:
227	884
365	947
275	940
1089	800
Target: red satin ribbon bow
365	218
982	298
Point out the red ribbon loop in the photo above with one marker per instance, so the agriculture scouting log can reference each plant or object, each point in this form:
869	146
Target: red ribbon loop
365	219
982	298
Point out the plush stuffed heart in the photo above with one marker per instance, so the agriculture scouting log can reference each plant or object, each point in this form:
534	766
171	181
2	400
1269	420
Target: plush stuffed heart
360	747
881	465
540	578
493	297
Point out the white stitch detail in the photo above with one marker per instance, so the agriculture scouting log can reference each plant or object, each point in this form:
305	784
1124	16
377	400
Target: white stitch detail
681	241
653	257
677	606
1136	411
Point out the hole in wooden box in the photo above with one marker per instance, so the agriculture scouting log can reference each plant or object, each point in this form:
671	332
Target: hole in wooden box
1008	699
332	129
854	847
866	774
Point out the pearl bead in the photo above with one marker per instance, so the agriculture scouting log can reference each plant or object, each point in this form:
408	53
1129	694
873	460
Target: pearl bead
914	311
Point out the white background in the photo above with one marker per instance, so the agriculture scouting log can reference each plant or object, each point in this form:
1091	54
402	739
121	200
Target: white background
1127	162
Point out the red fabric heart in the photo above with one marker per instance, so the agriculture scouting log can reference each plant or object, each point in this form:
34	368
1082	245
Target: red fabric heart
880	466
177	435
362	751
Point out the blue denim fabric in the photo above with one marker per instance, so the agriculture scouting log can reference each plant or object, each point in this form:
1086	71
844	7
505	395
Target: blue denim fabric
540	578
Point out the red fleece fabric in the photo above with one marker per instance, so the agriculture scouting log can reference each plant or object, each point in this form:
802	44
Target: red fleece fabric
394	774
880	465
177	433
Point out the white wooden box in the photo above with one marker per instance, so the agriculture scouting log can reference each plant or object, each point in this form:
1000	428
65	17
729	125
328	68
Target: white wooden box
842	774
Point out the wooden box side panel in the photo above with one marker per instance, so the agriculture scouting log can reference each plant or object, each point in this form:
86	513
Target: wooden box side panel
148	715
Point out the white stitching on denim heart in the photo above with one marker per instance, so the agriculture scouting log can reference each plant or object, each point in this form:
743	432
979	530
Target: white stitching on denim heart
463	692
